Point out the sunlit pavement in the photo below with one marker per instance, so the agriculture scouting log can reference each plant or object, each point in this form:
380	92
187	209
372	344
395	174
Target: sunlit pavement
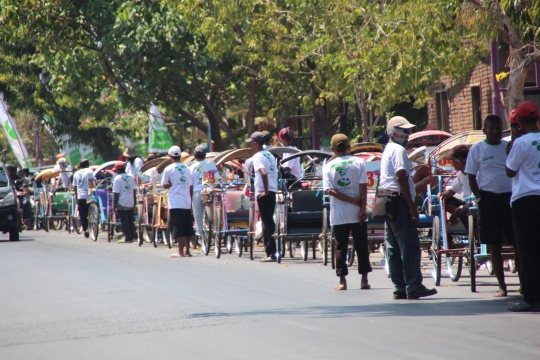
66	297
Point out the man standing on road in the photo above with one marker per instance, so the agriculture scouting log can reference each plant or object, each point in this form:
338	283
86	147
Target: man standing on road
83	180
266	175
177	179
492	188
522	165
345	180
124	190
403	252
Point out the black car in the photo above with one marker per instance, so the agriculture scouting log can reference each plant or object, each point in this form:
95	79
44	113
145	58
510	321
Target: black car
9	206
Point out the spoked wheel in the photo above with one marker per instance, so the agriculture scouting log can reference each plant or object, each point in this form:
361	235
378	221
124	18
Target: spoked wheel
435	247
140	217
325	233
489	267
207	231
292	248
453	267
194	241
239	245
36	218
304	249
110	227
229	244
386	267
511	263
57	224
46	223
77	225
167	237
472	252
93	221
351	251
217	233
251	230
280	247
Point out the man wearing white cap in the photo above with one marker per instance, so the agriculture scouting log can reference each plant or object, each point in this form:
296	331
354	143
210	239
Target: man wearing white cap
403	252
177	179
63	168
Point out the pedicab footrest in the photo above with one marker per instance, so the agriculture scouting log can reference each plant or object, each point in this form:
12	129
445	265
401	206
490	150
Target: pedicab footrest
303	216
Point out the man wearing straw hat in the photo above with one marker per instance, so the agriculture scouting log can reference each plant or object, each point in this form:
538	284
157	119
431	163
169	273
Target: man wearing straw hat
133	163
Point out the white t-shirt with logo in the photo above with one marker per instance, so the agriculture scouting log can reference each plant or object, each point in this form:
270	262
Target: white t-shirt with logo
64	176
196	176
124	184
179	175
488	163
134	169
294	164
80	180
344	174
525	159
461	185
264	160
394	158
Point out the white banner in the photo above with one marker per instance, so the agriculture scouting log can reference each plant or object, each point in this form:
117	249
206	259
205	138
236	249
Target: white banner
13	136
159	139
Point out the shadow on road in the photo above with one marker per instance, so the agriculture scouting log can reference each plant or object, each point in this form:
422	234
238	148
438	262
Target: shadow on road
425	307
20	240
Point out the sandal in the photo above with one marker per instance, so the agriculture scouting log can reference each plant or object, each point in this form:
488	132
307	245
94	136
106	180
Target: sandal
340	287
268	259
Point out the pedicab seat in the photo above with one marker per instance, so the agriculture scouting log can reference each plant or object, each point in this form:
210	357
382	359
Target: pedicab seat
307	210
238	205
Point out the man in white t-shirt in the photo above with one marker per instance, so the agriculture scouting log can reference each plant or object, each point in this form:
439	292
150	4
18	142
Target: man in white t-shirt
458	208
83	181
64	169
133	162
523	165
124	191
345	180
266	176
287	140
403	252
177	179
485	168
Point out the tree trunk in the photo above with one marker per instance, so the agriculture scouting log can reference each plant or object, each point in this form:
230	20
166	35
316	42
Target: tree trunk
322	118
252	106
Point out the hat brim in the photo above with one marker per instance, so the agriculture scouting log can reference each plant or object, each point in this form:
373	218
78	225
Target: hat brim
406	126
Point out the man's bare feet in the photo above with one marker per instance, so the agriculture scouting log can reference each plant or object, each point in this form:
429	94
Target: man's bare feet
500	293
176	256
340	287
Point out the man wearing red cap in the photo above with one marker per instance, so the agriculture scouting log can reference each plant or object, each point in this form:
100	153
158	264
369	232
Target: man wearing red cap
515	130
124	190
523	167
286	138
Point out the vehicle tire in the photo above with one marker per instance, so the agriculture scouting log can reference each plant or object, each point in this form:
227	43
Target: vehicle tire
383	251
217	233
140	236
46	223
206	241
489	267
93	221
304	250
57	224
453	267
14	234
110	230
472	252
292	248
36	218
251	230
78	225
512	266
435	247
70	224
280	247
324	236
239	245
167	237
351	252
229	244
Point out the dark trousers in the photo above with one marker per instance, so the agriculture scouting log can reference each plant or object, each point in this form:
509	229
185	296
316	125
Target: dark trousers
126	220
267	205
83	213
359	234
526	219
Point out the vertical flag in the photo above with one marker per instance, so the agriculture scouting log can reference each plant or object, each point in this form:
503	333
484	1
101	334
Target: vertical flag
159	139
13	136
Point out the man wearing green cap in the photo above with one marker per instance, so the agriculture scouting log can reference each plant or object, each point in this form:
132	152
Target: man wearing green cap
345	180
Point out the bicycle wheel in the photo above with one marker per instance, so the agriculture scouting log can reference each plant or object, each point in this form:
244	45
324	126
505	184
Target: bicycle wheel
167	237
304	250
57	224
217	232
46	223
78	225
93	221
292	248
239	245
325	233
229	244
435	247
472	252
207	230
109	225
251	229
280	247
453	267
140	237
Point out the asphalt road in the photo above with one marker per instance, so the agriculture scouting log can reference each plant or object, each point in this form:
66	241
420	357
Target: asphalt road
66	297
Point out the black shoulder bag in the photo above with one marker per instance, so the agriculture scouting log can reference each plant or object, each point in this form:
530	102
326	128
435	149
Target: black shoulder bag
385	205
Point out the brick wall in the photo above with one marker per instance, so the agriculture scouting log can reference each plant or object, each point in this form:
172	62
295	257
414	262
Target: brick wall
460	108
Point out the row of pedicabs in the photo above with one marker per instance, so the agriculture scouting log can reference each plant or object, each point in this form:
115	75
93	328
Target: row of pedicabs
230	214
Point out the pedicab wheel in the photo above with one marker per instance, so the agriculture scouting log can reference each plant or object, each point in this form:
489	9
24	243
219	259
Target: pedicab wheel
194	241
239	245
229	244
324	239
13	234
512	266
109	226
140	237
453	266
332	249
217	234
489	267
57	224
69	224
78	225
167	237
46	223
207	231
292	249
251	229
36	219
472	251
93	221
350	255
386	267
435	246
280	247
304	249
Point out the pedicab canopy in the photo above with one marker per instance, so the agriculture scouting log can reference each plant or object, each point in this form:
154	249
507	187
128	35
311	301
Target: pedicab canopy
46	175
153	163
427	138
436	156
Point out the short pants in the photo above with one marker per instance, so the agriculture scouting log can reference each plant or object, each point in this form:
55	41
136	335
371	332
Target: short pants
180	223
495	218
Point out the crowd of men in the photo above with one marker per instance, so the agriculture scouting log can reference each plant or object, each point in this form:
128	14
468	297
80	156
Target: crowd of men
504	178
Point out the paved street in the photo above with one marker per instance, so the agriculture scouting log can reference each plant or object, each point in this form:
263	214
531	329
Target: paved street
66	297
